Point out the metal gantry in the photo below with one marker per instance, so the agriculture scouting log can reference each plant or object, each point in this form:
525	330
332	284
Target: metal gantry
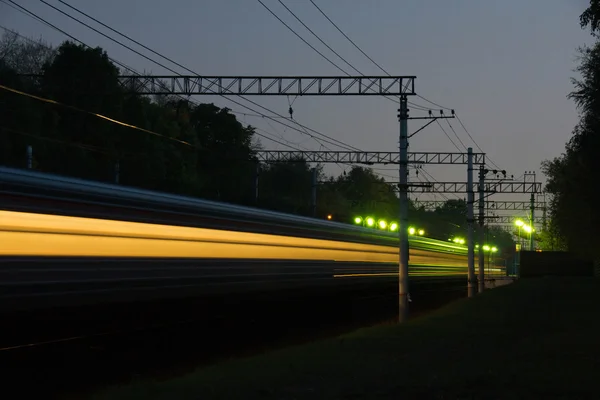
189	85
490	205
462	187
508	219
367	157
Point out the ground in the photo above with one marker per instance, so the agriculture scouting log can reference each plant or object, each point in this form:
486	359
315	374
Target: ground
533	339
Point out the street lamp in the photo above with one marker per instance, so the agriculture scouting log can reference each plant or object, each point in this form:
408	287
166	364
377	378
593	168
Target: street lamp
382	224
421	232
358	220
370	221
411	231
393	227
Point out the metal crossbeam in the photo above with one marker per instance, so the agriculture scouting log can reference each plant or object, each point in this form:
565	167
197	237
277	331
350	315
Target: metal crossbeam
508	219
271	85
461	187
513	187
366	157
514	205
490	205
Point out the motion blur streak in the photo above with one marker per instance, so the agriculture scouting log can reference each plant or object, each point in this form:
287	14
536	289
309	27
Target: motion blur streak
28	234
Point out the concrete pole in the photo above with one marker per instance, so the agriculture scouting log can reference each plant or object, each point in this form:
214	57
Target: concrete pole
313	197
29	157
117	172
256	177
403	296
481	229
470	220
532	209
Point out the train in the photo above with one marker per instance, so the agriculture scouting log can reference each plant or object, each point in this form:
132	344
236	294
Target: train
67	240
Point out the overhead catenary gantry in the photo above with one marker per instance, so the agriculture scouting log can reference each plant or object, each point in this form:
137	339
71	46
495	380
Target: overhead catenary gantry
189	85
367	157
489	205
463	187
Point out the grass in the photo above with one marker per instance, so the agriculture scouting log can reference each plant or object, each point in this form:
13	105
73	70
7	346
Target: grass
531	339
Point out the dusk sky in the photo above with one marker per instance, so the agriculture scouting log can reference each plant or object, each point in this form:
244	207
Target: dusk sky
504	66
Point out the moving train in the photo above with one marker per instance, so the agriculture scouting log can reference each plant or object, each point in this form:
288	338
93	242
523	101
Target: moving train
68	240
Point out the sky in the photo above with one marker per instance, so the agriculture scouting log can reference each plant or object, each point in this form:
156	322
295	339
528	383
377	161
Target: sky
503	66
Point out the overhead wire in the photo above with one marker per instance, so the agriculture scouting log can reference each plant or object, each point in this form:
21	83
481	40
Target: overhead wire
468	133
386	72
100	115
417	106
455	134
325	138
448	136
104	117
422	108
33	15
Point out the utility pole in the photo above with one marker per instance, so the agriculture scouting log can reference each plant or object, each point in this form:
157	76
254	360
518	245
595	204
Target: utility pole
117	172
403	200
256	177
532	210
470	221
481	259
313	197
29	157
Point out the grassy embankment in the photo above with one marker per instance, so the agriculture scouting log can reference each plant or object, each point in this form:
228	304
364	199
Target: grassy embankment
531	339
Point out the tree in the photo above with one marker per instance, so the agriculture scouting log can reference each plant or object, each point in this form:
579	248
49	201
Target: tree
287	187
21	117
571	177
367	194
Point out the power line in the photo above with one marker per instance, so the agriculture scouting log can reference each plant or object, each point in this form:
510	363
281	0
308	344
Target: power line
326	45
448	136
328	139
45	22
315	35
301	38
34	42
114	121
456	134
417	106
435	104
350	40
386	72
487	157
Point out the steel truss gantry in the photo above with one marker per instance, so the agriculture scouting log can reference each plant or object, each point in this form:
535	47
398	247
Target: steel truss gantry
490	205
366	157
190	85
507	219
462	187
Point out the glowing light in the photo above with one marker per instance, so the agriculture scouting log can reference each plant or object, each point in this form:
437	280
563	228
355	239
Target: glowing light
382	224
393	227
527	228
370	221
494	249
421	232
329	216
459	240
411	231
358	220
29	234
486	247
519	223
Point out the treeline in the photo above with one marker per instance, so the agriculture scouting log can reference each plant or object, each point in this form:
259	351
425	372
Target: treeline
573	179
181	147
